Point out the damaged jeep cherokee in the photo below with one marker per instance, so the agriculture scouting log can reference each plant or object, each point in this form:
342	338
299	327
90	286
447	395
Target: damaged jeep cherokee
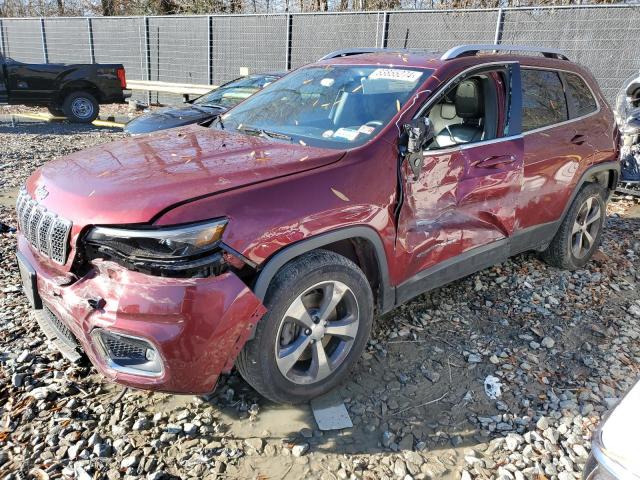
269	238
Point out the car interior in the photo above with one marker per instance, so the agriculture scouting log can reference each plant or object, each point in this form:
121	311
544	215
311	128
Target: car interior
466	113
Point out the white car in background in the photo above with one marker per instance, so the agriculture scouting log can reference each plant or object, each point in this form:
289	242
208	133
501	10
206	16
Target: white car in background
615	452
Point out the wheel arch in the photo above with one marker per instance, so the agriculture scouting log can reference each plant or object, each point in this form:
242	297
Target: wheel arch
79	86
358	243
606	174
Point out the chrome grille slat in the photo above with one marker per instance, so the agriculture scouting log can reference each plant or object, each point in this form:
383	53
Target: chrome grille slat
47	232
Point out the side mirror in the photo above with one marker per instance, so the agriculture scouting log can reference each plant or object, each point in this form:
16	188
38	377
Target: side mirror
419	133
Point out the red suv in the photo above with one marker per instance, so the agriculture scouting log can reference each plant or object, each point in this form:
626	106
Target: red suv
270	238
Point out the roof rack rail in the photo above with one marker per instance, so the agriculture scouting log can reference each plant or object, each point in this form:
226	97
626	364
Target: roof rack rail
465	50
347	52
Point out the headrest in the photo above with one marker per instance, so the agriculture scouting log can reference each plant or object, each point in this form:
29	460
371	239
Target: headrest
469	102
448	111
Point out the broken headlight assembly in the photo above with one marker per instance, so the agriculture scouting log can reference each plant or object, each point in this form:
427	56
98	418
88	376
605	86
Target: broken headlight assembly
182	250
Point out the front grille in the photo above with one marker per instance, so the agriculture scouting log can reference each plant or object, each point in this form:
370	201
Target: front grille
47	232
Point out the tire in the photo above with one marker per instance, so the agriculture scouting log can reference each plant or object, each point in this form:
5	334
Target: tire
565	250
300	288
81	107
56	111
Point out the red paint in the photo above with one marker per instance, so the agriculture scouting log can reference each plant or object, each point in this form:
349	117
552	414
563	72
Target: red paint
275	194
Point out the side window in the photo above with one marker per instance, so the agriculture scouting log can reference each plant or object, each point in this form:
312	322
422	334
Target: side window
543	100
580	95
469	112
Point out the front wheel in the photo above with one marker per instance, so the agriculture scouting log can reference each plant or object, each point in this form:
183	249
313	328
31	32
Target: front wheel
320	311
580	233
81	107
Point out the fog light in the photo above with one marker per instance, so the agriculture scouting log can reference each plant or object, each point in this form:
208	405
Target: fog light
128	354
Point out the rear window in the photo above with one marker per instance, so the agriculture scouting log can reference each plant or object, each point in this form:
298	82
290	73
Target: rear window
543	100
580	95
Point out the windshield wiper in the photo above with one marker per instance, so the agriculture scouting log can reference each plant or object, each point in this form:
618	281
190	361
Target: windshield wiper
209	105
201	109
261	132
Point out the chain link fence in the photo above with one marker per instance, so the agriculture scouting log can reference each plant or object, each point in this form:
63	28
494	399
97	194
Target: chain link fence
213	49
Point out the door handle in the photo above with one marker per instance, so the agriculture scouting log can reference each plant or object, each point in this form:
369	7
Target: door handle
495	161
577	139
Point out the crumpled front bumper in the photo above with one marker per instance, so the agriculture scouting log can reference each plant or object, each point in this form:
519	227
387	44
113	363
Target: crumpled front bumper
197	325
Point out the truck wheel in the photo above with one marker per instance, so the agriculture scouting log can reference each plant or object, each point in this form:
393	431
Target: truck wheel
56	111
81	107
580	233
320	310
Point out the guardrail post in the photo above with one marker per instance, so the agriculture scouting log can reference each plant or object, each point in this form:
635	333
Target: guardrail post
499	27
210	50
43	38
92	49
147	52
289	45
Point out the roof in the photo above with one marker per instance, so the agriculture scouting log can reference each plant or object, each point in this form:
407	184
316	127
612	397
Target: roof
429	59
392	57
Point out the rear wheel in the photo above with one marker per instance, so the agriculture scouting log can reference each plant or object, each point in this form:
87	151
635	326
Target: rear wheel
81	107
580	233
320	310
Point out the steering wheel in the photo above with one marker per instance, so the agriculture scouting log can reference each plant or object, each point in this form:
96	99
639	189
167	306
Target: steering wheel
377	123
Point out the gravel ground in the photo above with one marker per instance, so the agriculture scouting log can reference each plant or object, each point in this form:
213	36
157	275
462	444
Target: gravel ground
562	346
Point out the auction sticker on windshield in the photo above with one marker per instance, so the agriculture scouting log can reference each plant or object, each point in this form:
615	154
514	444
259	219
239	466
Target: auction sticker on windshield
395	74
346	133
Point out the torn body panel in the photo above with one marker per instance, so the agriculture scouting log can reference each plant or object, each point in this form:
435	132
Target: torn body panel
197	325
463	199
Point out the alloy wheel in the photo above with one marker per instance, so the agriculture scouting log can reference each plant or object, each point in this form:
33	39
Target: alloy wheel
585	227
317	332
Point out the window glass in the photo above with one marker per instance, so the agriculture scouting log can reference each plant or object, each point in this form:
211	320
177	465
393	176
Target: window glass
543	100
334	106
580	95
232	93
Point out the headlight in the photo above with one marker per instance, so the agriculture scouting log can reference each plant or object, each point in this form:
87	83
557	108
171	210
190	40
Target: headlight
160	244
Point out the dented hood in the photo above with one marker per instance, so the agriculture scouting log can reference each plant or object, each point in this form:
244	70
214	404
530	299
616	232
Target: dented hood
132	180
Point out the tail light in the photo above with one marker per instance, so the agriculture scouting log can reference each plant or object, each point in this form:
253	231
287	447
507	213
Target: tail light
122	77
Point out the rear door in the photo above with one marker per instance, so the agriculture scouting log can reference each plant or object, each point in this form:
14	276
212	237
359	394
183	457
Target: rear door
556	148
466	193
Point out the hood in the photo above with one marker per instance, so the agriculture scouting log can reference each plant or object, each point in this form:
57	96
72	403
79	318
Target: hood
132	180
170	117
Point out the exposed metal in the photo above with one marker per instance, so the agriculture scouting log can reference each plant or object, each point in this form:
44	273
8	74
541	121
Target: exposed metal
47	232
463	50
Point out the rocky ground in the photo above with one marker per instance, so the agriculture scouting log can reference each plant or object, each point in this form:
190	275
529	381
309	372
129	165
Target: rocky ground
563	347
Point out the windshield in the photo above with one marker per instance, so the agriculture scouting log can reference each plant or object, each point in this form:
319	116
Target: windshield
337	106
232	93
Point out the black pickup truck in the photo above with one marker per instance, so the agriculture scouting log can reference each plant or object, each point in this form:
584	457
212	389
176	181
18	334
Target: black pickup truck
72	91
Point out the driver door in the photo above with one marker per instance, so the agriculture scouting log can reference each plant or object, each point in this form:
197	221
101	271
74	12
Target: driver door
459	210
